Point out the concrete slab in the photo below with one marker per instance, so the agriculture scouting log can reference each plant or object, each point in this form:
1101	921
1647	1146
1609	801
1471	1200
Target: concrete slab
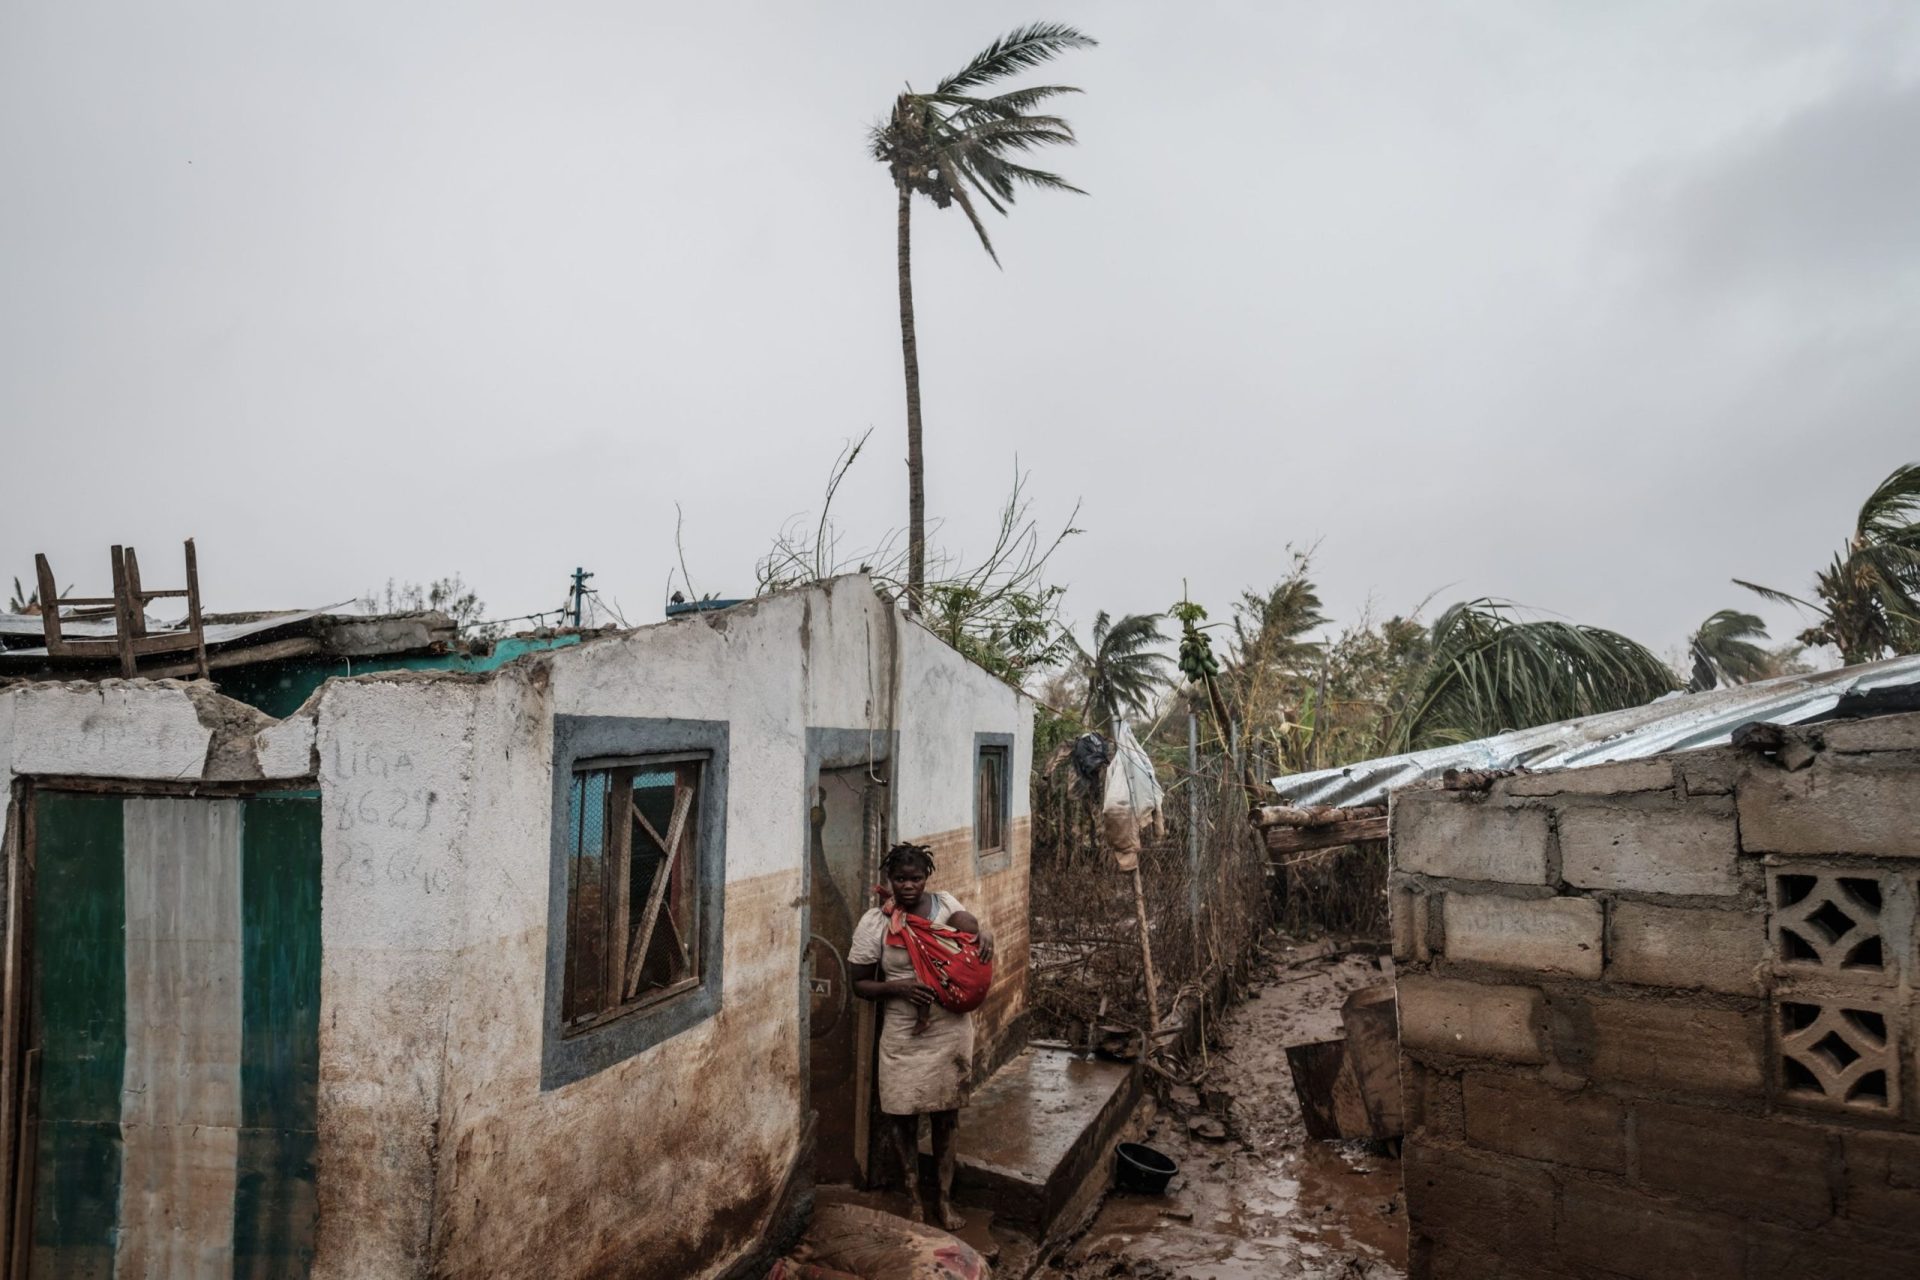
1036	1130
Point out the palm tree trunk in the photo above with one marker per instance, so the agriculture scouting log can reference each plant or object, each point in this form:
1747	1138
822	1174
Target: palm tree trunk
916	474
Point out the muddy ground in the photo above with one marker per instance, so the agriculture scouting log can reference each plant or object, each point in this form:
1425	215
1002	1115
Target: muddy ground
1263	1201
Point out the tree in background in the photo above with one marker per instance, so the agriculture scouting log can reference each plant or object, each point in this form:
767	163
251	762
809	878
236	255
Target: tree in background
939	145
1271	668
1724	651
1869	597
998	610
1122	670
451	596
1491	672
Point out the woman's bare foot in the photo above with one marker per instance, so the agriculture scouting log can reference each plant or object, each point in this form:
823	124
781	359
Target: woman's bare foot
949	1219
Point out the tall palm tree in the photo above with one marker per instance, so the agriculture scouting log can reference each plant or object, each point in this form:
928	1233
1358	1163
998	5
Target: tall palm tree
1870	594
1122	670
1491	672
938	145
1724	652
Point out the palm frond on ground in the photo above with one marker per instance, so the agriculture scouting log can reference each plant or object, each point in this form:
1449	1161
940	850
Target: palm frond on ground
1868	597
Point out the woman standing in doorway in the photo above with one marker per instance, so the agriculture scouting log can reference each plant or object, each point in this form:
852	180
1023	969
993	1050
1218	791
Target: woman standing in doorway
926	1049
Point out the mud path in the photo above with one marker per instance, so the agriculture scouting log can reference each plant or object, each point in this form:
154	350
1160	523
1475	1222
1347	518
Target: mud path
1264	1202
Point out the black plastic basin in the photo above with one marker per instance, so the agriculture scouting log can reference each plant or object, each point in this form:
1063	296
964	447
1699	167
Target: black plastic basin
1140	1168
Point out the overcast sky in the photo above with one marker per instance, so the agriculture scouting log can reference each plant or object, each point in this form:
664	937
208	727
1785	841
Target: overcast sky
1587	306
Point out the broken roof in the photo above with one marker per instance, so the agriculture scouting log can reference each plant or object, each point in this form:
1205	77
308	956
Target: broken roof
1677	722
233	640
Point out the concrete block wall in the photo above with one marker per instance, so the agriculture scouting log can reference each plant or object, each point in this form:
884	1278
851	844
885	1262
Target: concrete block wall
1662	1018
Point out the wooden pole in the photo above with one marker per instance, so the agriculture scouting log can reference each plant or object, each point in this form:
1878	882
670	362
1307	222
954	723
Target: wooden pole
1146	959
1193	835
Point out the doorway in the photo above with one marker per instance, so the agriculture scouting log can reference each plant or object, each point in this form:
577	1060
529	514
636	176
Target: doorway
168	1097
847	829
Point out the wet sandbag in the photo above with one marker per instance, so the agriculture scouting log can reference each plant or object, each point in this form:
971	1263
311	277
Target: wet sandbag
879	1246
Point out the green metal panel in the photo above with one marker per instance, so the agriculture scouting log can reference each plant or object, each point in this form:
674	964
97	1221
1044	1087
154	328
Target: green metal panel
274	1210
279	688
80	1004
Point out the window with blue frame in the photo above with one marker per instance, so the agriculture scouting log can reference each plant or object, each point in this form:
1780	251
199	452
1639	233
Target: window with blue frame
634	884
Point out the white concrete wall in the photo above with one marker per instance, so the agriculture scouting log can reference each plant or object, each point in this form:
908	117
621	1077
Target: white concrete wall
943	701
439	1151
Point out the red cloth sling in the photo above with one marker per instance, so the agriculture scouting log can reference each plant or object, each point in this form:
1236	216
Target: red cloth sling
945	959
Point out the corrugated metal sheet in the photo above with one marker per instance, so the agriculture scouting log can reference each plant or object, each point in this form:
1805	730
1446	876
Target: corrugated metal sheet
218	633
1678	722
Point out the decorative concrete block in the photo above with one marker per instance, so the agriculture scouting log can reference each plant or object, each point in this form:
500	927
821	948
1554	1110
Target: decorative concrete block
1441	833
1687	947
1834	922
1546	935
1679	849
1843	1055
1472	1019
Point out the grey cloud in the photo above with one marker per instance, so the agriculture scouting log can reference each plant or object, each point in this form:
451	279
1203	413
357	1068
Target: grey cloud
1827	199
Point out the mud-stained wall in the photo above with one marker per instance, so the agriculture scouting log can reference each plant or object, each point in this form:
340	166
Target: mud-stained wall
1659	1018
439	1153
707	1121
942	704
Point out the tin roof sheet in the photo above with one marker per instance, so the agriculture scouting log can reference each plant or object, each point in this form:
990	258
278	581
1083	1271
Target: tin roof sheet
1677	722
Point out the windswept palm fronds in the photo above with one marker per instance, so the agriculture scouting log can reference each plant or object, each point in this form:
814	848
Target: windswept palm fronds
1869	596
1123	669
1723	651
1492	672
952	145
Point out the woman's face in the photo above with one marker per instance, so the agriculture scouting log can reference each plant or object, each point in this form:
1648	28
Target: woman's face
909	881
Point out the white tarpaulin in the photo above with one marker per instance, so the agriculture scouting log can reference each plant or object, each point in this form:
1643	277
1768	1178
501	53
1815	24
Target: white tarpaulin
1132	800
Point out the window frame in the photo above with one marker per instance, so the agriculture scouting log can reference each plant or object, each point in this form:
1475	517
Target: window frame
584	744
987	861
616	846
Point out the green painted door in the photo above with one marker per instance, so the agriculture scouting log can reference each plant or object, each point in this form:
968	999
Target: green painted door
176	985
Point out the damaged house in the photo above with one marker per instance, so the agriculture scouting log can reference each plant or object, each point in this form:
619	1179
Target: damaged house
537	969
1659	985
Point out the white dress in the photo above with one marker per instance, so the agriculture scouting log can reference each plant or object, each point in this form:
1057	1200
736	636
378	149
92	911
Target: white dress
918	1073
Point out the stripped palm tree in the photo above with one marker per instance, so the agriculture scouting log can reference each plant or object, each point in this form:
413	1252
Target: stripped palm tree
1724	653
1492	672
1869	597
940	145
1122	669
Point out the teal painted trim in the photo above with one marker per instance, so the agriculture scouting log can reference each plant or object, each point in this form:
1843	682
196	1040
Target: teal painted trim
279	688
80	1004
274	1200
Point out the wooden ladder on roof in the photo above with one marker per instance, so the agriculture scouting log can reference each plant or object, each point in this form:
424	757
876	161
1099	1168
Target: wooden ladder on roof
127	606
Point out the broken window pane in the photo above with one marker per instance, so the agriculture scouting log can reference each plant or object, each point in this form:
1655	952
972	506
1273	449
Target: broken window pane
633	889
